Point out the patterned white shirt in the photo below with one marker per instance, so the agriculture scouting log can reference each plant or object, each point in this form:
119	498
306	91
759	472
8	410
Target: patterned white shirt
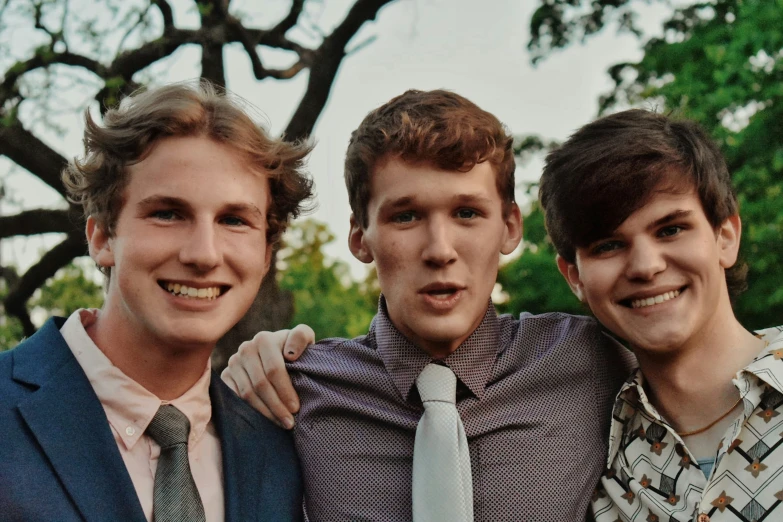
652	477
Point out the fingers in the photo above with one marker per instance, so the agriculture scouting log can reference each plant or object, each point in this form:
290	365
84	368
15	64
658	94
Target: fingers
257	369
298	339
245	390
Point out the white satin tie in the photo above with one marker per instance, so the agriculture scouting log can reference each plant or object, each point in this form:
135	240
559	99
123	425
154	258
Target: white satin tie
442	485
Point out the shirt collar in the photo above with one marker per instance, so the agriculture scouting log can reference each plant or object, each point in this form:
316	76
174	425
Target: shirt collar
128	405
472	362
766	367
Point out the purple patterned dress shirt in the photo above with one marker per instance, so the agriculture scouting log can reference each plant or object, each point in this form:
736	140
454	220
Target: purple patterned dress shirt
534	394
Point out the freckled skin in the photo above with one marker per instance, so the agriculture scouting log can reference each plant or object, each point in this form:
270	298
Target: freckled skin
426	226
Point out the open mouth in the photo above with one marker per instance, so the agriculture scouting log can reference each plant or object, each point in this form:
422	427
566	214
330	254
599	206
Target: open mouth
652	300
442	293
189	292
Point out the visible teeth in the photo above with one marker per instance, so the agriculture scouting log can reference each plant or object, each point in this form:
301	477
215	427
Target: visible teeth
658	299
191	292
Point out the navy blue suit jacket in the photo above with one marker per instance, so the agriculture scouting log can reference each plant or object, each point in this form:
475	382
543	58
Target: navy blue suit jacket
59	460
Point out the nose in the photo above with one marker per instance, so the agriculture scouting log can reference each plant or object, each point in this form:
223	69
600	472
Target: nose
645	260
439	250
200	248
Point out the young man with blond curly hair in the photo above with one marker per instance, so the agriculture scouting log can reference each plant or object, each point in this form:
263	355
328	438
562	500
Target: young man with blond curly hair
115	414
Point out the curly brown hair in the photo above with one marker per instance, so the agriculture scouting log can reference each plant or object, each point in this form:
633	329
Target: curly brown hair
97	181
437	127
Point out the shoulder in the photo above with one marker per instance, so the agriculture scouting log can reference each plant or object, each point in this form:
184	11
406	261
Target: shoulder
30	363
327	353
557	328
576	339
771	335
232	413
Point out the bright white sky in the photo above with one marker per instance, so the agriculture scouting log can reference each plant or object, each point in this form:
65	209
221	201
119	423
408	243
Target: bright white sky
475	48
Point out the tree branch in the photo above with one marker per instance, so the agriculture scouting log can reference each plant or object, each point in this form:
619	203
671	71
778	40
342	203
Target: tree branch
130	62
56	258
289	21
165	10
45	59
26	150
325	65
39	221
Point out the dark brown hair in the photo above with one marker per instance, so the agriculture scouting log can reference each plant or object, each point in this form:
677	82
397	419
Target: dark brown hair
97	181
613	166
437	127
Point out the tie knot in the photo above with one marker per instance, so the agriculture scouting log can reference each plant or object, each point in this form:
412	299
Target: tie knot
169	426
437	383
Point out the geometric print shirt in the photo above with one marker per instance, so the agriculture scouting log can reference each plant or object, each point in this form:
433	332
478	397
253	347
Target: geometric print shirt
652	477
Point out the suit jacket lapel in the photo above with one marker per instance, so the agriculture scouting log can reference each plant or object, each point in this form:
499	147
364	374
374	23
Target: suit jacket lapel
243	461
69	423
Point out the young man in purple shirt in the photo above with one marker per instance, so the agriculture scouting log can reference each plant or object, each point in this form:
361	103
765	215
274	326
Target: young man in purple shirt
431	186
694	432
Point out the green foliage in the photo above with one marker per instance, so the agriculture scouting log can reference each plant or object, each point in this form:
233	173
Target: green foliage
531	281
69	290
325	296
10	328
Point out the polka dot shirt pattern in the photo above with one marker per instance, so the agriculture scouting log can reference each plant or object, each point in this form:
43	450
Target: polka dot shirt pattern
534	395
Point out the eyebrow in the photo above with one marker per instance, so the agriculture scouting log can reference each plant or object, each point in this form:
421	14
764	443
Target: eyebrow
171	201
476	199
671	216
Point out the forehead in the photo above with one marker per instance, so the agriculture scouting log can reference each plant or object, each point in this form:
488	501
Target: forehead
663	205
200	169
394	179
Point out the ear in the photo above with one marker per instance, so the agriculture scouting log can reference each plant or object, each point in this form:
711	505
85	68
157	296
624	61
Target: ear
729	234
357	242
99	243
571	274
513	232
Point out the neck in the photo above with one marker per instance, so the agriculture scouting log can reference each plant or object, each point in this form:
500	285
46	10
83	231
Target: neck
691	385
165	371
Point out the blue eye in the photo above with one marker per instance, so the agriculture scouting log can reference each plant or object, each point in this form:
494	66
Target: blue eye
466	213
606	246
165	215
233	221
403	217
670	231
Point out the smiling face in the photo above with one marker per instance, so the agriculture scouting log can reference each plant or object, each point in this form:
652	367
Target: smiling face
658	281
189	250
436	238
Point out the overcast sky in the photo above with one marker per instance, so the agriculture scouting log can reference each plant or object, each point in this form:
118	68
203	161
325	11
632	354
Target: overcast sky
475	48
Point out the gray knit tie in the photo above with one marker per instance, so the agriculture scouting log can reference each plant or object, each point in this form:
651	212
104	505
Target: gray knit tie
442	482
175	497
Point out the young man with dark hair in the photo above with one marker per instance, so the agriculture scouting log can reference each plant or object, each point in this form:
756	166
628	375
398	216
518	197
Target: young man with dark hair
445	411
114	414
694	434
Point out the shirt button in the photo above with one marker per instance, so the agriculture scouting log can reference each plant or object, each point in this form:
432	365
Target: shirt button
130	431
704	518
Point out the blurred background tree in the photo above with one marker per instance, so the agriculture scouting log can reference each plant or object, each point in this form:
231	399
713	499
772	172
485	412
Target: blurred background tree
719	63
104	49
326	297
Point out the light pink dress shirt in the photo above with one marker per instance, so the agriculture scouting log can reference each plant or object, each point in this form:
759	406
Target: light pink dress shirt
130	407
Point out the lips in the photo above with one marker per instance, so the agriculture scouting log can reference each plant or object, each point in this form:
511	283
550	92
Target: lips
441	290
441	297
